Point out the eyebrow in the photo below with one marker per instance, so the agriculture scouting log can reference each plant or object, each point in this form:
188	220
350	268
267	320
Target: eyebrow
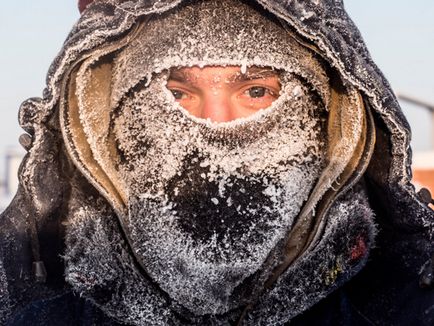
180	75
252	73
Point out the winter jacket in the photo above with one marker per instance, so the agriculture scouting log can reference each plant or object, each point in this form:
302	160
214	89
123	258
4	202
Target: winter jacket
379	273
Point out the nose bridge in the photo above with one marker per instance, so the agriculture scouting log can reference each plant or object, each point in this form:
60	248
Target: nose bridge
216	106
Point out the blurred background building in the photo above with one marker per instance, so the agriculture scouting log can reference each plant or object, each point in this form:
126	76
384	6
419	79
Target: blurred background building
423	160
12	157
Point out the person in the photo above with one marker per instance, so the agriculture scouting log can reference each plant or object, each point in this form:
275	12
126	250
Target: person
215	163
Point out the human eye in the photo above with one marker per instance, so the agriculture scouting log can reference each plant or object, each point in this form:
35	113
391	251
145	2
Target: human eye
178	94
258	92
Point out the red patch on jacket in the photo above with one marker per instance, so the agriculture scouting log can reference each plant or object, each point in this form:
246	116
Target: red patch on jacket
359	249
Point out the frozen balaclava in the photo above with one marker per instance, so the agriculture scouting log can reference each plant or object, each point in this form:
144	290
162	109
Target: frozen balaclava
208	208
208	202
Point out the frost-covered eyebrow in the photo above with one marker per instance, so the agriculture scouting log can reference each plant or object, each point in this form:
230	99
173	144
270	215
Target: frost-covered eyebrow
252	73
181	75
255	73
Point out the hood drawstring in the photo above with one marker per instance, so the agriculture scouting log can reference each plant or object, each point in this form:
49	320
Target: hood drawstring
38	266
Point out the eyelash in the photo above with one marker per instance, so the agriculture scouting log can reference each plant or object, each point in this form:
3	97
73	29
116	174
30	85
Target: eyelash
177	91
266	91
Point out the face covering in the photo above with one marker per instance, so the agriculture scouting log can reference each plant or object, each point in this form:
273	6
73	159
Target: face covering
213	212
205	206
209	201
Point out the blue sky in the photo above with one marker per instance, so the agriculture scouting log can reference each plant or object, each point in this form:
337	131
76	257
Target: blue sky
400	37
399	34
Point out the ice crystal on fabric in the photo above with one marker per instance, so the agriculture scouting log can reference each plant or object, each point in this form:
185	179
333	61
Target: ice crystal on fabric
209	201
213	33
99	266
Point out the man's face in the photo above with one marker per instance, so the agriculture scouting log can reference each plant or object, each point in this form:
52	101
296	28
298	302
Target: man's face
223	94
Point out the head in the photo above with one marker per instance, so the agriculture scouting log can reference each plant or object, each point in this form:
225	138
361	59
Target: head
213	135
207	143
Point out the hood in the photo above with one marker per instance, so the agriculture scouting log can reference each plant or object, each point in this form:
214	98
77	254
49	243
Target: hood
324	24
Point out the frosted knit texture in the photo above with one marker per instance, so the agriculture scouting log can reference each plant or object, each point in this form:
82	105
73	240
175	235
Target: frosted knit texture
212	33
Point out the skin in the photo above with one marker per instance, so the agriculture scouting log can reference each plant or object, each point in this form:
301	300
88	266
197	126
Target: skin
223	94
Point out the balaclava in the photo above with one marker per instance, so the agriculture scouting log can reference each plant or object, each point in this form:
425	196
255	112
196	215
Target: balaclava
208	202
211	210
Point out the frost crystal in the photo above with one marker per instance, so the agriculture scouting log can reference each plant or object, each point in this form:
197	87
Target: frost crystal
209	201
213	33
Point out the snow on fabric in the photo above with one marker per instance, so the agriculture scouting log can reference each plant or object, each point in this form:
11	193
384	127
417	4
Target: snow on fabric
213	33
209	201
323	23
99	267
